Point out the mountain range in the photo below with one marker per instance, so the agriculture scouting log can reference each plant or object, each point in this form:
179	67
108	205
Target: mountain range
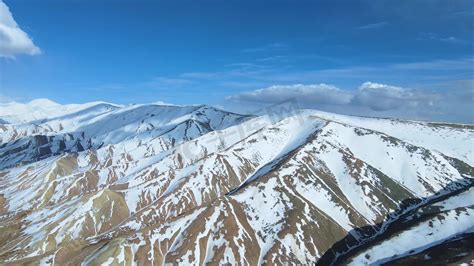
151	184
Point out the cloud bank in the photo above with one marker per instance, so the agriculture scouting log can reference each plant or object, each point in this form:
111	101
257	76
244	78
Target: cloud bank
316	93
374	99
13	40
382	97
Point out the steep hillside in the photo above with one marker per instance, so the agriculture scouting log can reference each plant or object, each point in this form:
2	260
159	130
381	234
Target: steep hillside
193	185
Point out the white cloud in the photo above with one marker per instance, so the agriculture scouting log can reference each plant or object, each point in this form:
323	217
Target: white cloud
315	93
448	102
463	64
13	40
455	40
373	26
376	96
382	97
430	36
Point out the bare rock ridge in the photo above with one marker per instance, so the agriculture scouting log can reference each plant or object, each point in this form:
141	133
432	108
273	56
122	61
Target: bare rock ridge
154	184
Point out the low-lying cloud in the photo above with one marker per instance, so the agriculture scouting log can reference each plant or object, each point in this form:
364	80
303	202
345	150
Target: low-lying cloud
382	97
373	99
376	96
316	93
13	40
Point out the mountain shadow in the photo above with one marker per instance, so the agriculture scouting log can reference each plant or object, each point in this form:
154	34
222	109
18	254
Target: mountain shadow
403	218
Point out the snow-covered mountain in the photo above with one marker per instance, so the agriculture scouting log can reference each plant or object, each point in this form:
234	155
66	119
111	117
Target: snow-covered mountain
153	184
13	112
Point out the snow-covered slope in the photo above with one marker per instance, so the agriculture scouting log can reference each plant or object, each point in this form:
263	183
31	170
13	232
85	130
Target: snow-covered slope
447	220
153	184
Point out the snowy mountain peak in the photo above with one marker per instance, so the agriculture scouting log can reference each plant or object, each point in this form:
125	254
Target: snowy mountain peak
17	113
43	103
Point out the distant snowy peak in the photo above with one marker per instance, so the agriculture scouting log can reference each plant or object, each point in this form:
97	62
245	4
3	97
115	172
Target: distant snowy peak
16	113
43	103
94	125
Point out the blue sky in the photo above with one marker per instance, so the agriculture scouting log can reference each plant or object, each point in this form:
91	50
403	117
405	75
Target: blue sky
240	54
